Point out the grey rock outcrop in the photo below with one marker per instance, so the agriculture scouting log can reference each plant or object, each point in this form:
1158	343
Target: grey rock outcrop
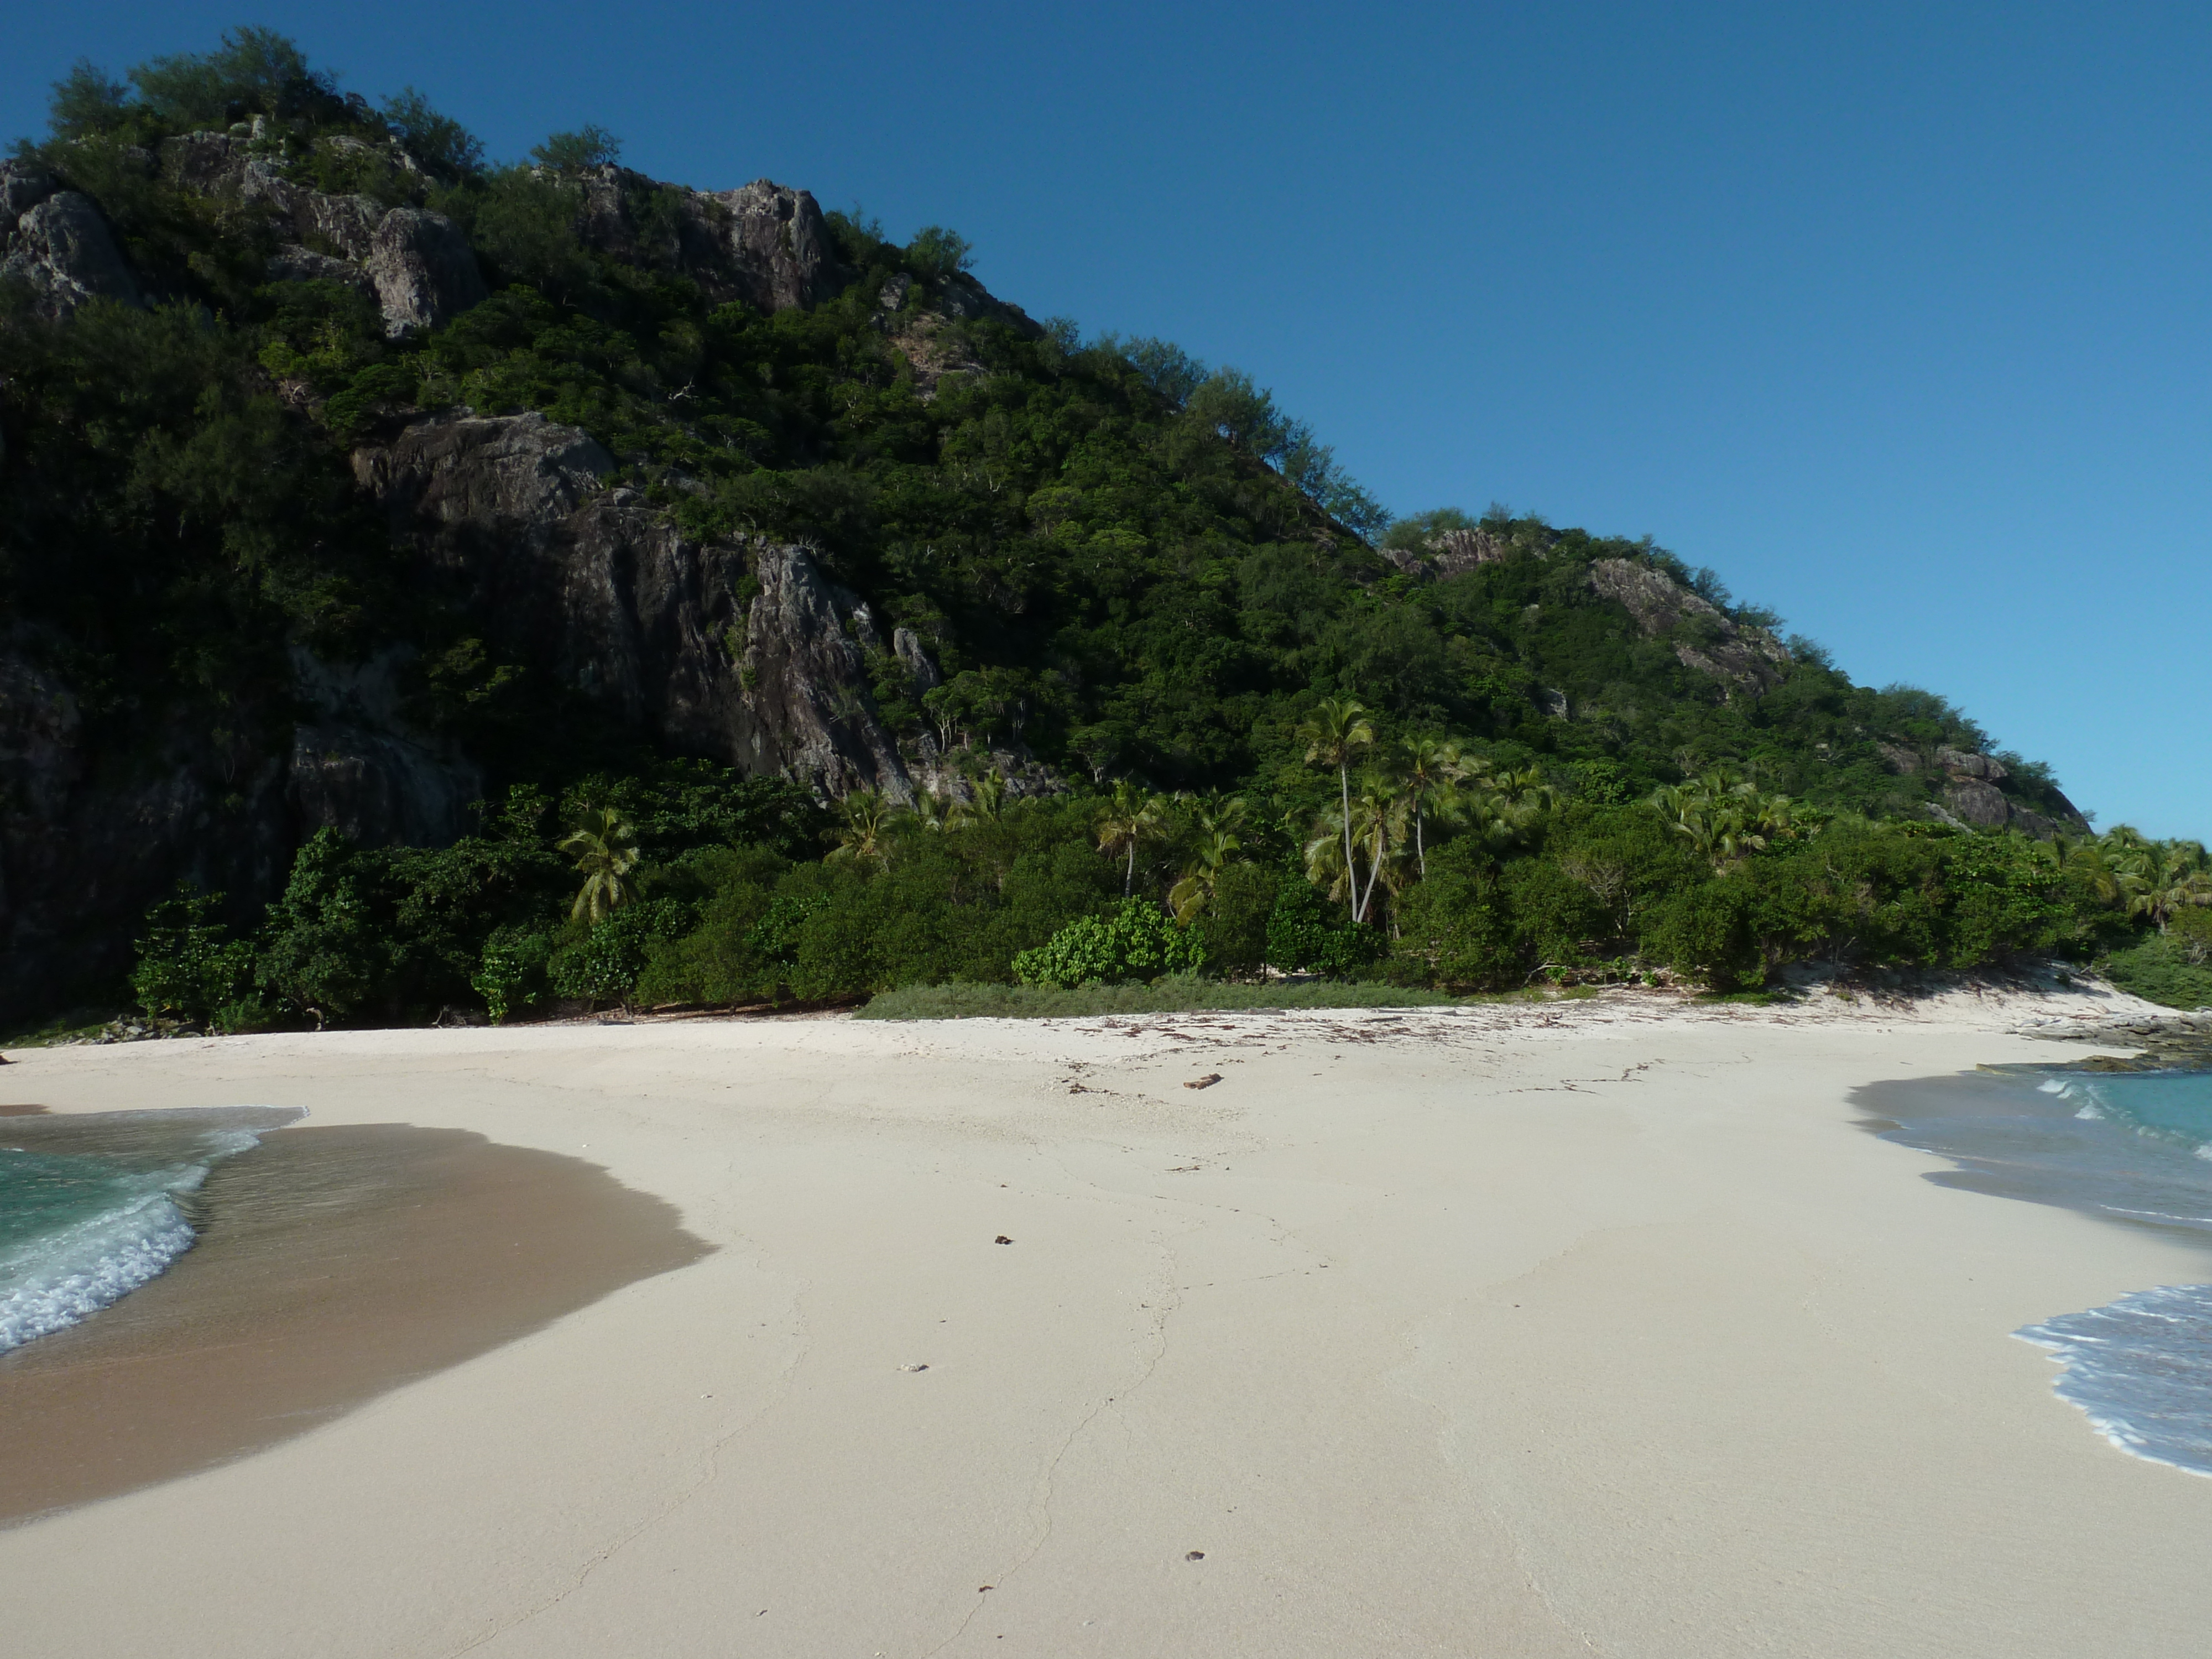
599	589
920	668
423	271
961	296
358	767
22	187
1747	659
1974	792
293	263
762	243
86	845
805	711
1962	763
1449	553
62	248
417	264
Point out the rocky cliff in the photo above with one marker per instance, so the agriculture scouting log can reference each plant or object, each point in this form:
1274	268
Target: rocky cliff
1704	637
741	650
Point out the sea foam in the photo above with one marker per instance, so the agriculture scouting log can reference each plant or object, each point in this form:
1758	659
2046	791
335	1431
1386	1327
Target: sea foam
82	1231
2140	1370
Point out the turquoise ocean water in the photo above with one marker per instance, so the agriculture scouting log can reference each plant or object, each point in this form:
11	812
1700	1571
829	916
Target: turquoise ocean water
92	1206
2133	1148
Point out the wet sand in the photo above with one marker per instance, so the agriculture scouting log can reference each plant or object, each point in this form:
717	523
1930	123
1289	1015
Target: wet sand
332	1264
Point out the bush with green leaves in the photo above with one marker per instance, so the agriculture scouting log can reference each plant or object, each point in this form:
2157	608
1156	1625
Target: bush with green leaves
189	967
604	963
1136	941
1307	936
512	976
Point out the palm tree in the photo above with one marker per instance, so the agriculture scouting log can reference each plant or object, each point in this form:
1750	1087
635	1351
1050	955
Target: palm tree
1433	768
1132	816
1336	729
1325	858
1725	817
2164	878
929	807
605	846
1525	789
2090	859
1378	824
986	802
860	838
1218	841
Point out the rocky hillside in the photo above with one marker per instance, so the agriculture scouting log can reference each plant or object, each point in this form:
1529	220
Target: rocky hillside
349	482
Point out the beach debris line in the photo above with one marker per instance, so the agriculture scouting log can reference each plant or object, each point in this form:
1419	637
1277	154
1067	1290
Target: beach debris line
1002	1239
1206	1082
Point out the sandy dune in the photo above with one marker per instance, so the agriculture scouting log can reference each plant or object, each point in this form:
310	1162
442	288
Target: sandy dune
1598	1330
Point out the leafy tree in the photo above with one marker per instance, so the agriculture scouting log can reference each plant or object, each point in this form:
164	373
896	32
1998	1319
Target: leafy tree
585	151
189	968
321	952
936	254
86	101
512	974
1303	938
437	142
605	964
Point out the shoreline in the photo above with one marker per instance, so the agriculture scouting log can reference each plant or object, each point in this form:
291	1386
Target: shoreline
1540	1329
330	1266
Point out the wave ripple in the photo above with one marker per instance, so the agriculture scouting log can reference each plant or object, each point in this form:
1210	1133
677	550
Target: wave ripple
2141	1369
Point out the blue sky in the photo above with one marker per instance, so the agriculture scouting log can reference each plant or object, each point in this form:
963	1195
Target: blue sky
1897	316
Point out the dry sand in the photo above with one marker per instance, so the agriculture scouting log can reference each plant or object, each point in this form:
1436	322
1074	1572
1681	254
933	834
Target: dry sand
1501	1331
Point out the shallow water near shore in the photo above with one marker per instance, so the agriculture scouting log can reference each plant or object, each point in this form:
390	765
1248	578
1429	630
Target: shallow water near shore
2133	1148
326	1266
94	1206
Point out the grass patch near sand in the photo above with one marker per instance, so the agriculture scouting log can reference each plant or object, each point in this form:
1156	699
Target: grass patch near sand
1180	994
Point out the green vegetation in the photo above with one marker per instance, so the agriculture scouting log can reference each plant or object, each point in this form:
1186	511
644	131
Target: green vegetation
1293	746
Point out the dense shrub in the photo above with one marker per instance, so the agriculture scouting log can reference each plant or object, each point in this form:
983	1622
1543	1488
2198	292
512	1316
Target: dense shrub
512	977
1136	941
189	968
1307	936
604	963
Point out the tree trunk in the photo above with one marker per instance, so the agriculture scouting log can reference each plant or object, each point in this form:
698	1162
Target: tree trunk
1375	869
1351	870
1129	876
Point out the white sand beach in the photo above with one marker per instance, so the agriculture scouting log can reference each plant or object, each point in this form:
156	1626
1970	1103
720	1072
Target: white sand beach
1598	1330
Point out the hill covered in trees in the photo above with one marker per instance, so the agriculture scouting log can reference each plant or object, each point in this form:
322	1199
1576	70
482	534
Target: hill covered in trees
393	543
